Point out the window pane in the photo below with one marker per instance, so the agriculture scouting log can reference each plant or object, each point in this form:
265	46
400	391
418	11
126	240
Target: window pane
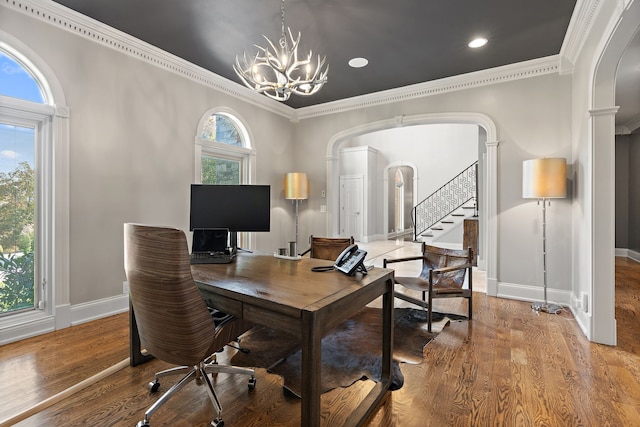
220	128
17	218
16	82
220	171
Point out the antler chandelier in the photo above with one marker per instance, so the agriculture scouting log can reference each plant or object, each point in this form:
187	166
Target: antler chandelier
277	72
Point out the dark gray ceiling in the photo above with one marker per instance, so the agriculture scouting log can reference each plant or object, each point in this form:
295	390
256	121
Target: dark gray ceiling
405	41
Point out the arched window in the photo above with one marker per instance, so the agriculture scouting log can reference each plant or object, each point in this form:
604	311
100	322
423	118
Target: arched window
34	284
224	155
17	81
19	140
223	150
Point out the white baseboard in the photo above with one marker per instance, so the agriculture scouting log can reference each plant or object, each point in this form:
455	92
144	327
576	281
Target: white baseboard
631	254
32	324
622	252
28	326
93	310
533	293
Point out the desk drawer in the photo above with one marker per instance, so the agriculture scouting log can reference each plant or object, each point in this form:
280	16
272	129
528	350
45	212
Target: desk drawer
228	305
271	319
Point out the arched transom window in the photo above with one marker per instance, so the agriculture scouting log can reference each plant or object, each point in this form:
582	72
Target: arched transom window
224	151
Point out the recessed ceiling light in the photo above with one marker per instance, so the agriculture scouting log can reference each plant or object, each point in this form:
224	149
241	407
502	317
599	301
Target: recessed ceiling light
358	62
479	42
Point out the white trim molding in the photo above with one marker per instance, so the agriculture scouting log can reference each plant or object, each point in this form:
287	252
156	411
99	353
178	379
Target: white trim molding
83	26
522	70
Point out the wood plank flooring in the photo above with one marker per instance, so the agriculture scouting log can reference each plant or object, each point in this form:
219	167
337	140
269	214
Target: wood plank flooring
507	367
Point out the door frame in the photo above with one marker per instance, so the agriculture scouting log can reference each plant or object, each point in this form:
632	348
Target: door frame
363	206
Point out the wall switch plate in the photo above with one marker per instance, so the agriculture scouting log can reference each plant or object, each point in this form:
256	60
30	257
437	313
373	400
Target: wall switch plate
125	287
323	208
324	193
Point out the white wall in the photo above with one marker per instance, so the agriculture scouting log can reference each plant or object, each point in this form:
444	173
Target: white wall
439	151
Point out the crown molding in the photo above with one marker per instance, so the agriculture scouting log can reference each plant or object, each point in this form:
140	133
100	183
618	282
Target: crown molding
629	127
579	27
521	70
83	26
64	18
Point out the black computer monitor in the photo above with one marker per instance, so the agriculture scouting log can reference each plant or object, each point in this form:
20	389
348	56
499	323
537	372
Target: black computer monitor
235	207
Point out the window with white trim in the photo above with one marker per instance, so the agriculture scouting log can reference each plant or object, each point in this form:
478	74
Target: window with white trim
224	155
25	129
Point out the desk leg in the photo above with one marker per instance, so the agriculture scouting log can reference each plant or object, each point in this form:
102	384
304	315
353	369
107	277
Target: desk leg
135	352
370	402
311	370
387	333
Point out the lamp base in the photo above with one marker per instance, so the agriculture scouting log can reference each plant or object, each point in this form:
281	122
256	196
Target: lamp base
546	307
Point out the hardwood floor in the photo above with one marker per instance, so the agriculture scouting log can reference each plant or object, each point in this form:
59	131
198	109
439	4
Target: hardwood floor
506	367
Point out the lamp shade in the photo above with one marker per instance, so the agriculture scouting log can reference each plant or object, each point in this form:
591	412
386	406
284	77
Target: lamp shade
544	178
296	186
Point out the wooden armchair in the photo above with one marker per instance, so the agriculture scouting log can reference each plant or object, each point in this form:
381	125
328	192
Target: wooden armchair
442	276
173	320
327	247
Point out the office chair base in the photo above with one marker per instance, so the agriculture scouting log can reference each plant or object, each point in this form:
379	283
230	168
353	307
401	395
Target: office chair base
200	374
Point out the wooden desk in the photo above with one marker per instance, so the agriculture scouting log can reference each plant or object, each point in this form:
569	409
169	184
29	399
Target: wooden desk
287	295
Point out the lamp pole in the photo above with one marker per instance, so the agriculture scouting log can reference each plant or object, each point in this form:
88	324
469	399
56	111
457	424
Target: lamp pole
545	306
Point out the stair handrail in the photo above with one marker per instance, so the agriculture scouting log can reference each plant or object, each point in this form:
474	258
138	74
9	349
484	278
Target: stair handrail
421	214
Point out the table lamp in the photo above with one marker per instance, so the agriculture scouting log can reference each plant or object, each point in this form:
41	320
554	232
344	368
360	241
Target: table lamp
296	188
544	179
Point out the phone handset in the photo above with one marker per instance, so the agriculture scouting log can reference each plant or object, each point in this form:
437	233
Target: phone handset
351	260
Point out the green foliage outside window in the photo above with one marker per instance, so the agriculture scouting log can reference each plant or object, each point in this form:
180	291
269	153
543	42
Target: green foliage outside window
17	210
220	171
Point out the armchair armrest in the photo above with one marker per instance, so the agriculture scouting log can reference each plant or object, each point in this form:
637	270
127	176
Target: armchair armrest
386	261
452	268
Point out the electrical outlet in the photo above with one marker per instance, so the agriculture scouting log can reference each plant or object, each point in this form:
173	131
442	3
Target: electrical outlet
323	208
125	287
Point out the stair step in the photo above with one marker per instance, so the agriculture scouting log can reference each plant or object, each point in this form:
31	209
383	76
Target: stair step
468	207
457	214
446	222
436	228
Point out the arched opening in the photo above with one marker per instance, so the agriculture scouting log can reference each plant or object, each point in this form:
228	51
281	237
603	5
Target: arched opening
602	325
489	178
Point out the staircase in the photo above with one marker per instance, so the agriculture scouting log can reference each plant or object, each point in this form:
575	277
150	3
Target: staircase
447	207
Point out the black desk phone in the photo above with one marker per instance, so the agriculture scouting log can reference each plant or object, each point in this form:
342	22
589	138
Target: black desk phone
351	260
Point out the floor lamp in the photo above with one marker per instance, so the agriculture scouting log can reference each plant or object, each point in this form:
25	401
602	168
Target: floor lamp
296	188
544	179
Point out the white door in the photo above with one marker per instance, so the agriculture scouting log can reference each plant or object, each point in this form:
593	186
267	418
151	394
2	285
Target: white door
351	206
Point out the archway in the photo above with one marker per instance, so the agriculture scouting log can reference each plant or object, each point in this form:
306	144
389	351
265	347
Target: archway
602	325
388	206
490	195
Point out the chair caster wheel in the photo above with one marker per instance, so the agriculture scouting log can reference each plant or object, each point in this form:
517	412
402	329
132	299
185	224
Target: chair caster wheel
153	387
217	423
142	424
252	383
